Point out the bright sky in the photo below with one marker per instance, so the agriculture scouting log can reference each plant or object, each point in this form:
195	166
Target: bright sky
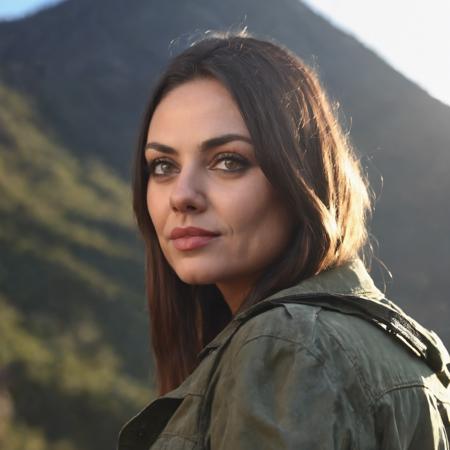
11	9
411	35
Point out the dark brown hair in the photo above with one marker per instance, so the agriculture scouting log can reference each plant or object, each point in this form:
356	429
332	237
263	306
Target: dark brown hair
304	154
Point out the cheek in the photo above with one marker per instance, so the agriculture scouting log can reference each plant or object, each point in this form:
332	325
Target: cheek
257	216
269	237
271	231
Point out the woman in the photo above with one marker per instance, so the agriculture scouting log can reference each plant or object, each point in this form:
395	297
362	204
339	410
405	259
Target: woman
268	332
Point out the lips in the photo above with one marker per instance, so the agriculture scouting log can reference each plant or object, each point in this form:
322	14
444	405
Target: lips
178	232
191	238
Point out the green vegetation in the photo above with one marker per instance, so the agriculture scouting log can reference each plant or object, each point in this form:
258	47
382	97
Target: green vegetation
71	294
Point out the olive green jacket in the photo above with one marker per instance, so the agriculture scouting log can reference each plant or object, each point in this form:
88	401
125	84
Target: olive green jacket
326	364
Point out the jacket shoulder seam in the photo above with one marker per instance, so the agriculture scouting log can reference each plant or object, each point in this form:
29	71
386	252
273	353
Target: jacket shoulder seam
310	336
300	345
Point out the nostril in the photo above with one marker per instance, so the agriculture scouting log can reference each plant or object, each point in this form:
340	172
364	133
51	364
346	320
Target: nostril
183	207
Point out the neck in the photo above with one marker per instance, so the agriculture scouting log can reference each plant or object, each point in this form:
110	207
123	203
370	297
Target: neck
235	292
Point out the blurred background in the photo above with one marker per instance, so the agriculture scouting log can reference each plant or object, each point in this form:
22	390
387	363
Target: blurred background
74	77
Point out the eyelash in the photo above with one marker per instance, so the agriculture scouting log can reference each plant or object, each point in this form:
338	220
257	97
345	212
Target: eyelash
151	165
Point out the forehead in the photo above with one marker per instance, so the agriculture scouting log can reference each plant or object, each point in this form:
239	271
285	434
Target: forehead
201	108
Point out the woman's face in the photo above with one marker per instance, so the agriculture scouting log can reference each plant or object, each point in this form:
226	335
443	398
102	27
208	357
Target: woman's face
217	217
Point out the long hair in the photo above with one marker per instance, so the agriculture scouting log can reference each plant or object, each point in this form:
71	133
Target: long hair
306	157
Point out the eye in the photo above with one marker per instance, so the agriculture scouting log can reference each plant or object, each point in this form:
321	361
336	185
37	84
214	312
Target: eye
160	167
230	162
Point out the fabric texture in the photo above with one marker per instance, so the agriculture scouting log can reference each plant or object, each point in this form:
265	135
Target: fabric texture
345	369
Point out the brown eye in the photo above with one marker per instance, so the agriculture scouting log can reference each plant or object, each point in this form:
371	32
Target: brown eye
230	162
160	167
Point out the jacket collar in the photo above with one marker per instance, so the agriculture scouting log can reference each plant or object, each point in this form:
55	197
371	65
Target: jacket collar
350	279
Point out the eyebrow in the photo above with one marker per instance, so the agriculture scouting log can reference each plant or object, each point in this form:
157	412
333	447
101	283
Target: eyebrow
204	146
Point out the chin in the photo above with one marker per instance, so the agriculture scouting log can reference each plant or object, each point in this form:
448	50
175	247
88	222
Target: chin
196	278
197	275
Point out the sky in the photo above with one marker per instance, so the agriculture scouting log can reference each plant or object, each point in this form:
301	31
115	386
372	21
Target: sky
12	9
413	36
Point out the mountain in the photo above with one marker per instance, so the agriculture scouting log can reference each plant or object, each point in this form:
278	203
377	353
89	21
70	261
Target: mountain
73	84
71	303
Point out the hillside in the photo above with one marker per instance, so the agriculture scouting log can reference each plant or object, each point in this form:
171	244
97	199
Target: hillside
71	304
73	84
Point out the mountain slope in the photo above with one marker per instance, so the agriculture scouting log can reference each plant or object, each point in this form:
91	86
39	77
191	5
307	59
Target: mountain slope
70	275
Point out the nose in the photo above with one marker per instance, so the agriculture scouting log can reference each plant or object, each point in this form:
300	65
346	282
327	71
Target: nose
188	193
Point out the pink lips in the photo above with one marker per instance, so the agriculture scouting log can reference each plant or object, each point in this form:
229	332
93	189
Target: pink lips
190	238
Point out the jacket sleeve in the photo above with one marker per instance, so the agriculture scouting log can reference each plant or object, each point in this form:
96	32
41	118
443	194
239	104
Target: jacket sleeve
276	394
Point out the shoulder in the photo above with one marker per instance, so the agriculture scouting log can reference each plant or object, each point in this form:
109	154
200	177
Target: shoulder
295	364
343	343
278	369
